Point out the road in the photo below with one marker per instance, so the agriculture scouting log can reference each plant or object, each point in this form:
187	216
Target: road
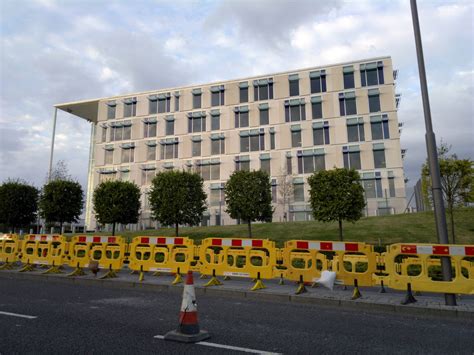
74	318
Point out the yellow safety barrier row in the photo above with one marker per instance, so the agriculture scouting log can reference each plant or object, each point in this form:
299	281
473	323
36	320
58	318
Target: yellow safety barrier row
402	266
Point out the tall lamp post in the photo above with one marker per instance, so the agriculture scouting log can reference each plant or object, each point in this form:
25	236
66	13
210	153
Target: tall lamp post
439	212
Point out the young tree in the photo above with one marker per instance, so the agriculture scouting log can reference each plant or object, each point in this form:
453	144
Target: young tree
285	191
61	201
248	195
116	202
177	197
18	204
336	195
457	180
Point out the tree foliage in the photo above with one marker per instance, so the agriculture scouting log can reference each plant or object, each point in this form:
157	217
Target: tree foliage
336	195
61	201
248	195
116	202
18	204
177	197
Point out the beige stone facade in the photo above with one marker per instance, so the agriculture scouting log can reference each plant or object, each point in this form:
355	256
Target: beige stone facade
337	115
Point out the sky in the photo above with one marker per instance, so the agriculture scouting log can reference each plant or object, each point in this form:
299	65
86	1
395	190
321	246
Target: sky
55	51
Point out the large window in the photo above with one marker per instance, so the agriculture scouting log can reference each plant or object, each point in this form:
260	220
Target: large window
351	155
289	164
196	146
196	98
295	110
217	95
379	155
169	148
196	122
321	133
217	143
107	175
263	89
208	169
371	74
347	103
372	184
294	83
379	127
121	131
149	127
391	184
217	197
244	92
130	107
272	137
242	162
124	174
295	136
252	141
108	154
148	173
355	130
150	150
241	116
111	109
265	163
128	152
311	160
374	100
169	125
160	103
316	107
104	133
264	116
215	120
176	101
318	81
348	73
298	189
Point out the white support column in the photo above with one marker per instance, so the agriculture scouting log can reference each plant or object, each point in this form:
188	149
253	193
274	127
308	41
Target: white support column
52	144
90	178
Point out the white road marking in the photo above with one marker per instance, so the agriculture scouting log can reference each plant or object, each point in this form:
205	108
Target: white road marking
18	315
228	347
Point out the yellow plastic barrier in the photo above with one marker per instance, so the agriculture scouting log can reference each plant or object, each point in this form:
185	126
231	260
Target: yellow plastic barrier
43	249
162	254
239	257
10	246
108	252
419	266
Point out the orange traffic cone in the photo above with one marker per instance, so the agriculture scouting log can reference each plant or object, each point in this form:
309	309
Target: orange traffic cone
188	330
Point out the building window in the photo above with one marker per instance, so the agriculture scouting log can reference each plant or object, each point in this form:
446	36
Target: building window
169	148
371	74
298	190
164	103
391	184
216	197
104	133
379	127
347	103
379	155
351	155
152	104
215	120
318	81
208	169
109	154
289	168
149	126
355	130
148	173
241	116
242	163
111	109
372	184
321	133
176	101
316	107
217	143
295	110
196	146
294	83
264	116
274	191
128	152
252	141
265	163
121	131
374	100
272	137
196	122
125	174
217	95
244	92
295	136
150	150
106	175
169	125
130	107
196	98
263	89
311	160
348	73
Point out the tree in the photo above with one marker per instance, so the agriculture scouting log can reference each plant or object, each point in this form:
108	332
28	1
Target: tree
61	201
248	195
285	190
18	204
336	195
177	197
59	172
457	180
116	202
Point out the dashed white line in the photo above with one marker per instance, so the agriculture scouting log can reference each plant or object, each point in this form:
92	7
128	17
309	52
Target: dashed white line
18	315
228	347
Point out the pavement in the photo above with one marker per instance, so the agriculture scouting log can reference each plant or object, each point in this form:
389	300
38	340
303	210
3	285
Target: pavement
85	315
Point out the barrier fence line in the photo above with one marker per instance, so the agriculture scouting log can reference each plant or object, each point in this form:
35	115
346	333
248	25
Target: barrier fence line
402	266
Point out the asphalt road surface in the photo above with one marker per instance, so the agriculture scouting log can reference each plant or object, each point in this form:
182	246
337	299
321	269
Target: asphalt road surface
73	318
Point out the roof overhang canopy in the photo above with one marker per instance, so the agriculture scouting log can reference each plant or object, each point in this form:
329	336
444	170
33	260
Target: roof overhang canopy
87	110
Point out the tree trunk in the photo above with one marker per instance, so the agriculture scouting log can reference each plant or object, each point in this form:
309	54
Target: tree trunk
176	229
340	230
113	229
451	215
249	223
